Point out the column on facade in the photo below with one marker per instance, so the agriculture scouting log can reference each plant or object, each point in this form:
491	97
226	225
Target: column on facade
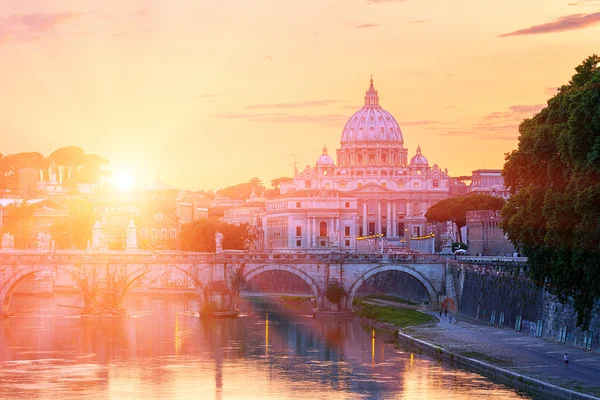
314	232
330	230
378	223
306	238
337	224
365	226
394	222
365	158
388	220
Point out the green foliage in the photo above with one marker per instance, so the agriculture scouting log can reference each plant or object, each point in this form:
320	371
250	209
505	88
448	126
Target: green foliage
401	317
553	215
10	164
455	208
76	229
200	235
335	293
243	190
389	298
18	221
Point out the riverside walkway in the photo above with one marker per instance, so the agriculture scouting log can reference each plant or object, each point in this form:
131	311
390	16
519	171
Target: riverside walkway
514	351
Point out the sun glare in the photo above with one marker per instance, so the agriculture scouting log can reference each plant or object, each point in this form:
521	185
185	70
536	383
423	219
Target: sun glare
124	181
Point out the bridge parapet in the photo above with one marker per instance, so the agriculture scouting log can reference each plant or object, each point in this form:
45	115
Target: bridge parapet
202	258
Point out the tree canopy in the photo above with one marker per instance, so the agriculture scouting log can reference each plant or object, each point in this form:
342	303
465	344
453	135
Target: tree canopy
553	215
85	168
199	235
18	221
76	229
455	208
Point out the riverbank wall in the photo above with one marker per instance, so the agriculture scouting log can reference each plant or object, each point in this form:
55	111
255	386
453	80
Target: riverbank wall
493	372
505	297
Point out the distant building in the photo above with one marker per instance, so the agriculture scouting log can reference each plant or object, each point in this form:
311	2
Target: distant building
159	227
489	181
484	234
388	192
28	182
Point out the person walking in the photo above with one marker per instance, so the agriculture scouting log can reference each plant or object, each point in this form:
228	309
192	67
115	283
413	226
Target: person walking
566	361
445	312
450	318
441	313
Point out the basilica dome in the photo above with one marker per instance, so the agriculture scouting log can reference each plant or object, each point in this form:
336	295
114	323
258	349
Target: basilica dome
324	159
419	159
371	123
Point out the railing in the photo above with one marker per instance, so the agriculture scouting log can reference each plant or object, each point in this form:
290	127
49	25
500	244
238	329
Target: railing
16	256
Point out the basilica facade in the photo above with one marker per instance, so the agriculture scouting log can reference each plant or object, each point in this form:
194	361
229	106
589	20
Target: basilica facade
372	188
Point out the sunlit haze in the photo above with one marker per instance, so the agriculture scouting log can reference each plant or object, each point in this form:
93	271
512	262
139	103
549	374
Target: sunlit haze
213	93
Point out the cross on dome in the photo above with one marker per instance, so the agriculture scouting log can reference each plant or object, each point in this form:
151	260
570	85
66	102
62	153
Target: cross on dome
371	97
324	150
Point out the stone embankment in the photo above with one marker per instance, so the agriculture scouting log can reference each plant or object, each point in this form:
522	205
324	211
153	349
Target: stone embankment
514	358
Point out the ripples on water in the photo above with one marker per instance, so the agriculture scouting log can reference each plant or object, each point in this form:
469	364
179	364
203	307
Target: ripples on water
166	352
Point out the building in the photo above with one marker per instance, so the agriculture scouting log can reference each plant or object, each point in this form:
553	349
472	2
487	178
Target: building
28	182
489	181
159	226
484	234
387	192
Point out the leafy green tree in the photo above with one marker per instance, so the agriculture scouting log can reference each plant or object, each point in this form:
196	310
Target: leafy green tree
553	215
455	209
18	221
76	229
10	165
200	235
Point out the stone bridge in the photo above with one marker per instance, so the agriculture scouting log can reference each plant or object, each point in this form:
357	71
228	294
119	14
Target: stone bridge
223	275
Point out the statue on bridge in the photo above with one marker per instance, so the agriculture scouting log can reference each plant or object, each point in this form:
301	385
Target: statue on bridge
219	241
43	241
8	241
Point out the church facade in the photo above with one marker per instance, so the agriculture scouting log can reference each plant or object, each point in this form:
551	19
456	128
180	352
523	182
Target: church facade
372	188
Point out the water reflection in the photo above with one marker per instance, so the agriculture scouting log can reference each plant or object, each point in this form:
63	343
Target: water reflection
164	352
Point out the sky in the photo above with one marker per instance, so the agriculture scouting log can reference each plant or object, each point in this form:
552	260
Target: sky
212	93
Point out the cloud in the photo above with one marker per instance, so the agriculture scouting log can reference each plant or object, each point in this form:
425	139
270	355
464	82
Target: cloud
421	123
567	23
418	21
285	118
310	103
551	90
32	26
517	112
385	1
594	3
367	26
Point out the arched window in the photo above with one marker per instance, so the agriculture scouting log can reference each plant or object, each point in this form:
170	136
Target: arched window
323	229
153	232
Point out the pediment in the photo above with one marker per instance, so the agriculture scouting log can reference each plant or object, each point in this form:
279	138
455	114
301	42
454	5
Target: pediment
371	188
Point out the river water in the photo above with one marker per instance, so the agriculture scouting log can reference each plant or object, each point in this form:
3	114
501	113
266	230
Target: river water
164	351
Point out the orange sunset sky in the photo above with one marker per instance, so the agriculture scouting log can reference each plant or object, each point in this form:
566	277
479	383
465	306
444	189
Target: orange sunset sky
213	93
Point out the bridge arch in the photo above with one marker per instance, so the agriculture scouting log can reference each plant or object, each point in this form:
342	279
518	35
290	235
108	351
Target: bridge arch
8	287
159	269
431	292
298	272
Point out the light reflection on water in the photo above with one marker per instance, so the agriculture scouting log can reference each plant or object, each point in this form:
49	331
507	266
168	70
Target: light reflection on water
166	352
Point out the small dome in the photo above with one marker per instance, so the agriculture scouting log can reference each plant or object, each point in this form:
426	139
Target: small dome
325	159
419	159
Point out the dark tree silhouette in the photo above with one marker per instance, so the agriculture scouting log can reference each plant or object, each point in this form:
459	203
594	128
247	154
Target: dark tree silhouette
553	215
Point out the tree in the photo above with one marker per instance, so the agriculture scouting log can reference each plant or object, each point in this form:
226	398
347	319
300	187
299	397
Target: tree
243	190
76	229
18	221
200	235
455	209
71	157
553	215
